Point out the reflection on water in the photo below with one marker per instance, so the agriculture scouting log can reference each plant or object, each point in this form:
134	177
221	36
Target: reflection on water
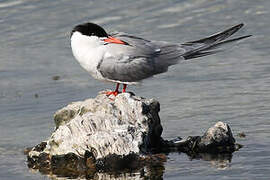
219	161
147	172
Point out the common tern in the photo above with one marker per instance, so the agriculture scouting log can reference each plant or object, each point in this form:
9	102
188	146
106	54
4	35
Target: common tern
127	59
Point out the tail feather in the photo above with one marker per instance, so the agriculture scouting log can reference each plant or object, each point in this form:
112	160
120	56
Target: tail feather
231	40
209	45
200	54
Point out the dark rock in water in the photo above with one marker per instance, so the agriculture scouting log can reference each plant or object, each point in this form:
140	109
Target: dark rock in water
115	134
217	139
55	78
241	135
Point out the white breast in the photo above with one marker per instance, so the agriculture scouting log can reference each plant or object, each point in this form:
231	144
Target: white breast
88	51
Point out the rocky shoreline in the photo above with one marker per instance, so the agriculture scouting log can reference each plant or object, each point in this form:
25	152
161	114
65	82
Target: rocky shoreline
117	134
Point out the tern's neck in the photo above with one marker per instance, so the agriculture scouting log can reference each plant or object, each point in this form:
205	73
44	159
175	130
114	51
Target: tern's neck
85	46
87	50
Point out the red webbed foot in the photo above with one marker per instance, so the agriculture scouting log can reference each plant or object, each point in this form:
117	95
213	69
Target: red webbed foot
115	93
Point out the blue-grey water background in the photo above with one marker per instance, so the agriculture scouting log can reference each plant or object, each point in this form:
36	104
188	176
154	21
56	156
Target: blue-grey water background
232	86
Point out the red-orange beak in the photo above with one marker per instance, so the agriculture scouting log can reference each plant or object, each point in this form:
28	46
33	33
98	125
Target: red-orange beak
111	39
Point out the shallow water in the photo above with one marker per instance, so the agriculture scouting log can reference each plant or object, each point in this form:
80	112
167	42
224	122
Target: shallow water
232	86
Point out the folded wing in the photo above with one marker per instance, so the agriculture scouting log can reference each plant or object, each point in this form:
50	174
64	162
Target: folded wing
139	60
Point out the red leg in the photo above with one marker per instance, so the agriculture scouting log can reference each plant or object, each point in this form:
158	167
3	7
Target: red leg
116	92
124	88
117	87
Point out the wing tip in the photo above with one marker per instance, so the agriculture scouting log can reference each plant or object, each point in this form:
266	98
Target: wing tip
239	25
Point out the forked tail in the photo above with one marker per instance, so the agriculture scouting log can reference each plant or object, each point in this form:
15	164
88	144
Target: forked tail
210	45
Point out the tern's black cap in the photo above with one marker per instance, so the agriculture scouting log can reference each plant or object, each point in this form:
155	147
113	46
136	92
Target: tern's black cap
90	29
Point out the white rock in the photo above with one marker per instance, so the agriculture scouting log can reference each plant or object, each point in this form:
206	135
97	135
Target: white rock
103	126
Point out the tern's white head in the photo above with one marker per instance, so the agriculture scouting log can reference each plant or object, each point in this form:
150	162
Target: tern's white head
88	43
90	34
87	36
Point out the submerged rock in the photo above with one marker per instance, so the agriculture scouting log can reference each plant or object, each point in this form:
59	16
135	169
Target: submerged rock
108	134
217	139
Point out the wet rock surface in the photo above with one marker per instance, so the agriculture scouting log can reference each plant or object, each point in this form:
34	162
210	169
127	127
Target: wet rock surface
217	139
118	134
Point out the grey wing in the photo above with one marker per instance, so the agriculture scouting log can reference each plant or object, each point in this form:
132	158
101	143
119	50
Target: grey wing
139	60
126	70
